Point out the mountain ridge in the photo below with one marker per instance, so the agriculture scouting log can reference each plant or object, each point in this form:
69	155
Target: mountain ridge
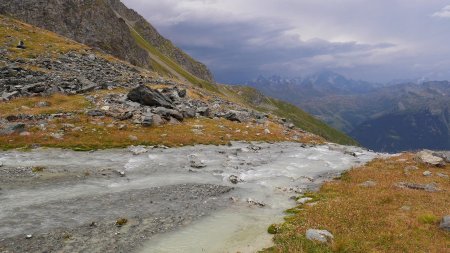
84	21
333	99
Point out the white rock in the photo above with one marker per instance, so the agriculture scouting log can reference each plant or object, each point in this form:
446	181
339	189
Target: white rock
322	236
138	150
368	184
105	108
29	236
266	131
304	200
133	138
427	173
427	157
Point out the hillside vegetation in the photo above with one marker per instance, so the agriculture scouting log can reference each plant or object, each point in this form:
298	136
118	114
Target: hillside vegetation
368	211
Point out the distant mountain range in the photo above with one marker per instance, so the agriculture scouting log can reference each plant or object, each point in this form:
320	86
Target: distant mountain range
383	117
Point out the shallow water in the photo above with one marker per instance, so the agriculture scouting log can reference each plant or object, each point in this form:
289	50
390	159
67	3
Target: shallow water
265	171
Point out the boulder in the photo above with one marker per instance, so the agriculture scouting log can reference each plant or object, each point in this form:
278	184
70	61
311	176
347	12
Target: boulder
427	157
12	128
182	93
42	104
204	111
322	236
256	202
147	120
137	150
168	113
233	179
445	223
146	96
95	113
432	187
21	45
304	200
444	155
157	120
236	116
195	162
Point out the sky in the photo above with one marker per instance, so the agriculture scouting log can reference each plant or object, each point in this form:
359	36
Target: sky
377	41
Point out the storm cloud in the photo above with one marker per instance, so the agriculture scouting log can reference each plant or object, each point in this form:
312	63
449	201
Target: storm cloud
371	40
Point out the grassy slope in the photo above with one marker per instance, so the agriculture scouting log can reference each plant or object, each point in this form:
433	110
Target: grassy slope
372	219
174	66
248	96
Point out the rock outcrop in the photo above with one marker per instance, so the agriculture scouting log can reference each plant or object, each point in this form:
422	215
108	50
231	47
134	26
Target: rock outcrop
101	24
90	22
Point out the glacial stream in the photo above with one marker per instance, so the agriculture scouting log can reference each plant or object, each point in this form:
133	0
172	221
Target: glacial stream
268	174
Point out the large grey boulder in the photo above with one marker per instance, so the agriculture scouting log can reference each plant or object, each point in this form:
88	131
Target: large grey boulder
428	157
238	116
146	96
322	236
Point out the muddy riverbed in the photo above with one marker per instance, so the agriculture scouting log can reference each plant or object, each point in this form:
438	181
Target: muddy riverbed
191	199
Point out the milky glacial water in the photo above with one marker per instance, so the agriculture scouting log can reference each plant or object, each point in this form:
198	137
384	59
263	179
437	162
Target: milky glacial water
268	173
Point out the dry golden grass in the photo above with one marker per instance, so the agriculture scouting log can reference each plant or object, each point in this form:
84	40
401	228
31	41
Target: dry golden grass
372	219
37	41
58	103
100	133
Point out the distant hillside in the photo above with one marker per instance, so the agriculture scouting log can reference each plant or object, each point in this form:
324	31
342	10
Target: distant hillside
107	25
406	130
381	117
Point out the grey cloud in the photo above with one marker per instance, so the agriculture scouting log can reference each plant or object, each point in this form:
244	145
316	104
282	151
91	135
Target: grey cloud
444	13
373	40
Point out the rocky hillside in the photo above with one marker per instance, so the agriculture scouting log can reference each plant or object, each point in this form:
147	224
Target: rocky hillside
110	26
57	92
165	46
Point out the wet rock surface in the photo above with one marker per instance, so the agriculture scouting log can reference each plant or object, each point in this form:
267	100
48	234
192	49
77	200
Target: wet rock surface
92	225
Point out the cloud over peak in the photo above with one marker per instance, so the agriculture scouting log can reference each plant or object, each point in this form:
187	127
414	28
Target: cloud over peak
373	40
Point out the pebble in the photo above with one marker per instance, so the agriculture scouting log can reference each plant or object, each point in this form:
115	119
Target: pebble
405	208
427	173
368	184
438	174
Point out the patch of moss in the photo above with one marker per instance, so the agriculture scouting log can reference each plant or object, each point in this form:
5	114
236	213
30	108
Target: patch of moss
273	229
428	218
121	221
38	169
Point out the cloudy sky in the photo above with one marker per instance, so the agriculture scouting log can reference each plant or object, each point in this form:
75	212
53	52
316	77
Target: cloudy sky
371	40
